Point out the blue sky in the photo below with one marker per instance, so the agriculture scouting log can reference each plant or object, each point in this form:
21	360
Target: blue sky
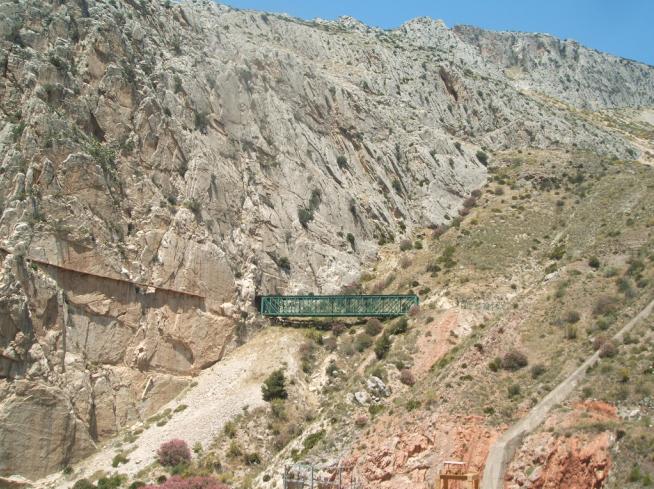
621	27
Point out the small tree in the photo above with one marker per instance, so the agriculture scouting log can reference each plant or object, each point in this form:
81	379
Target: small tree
274	387
174	452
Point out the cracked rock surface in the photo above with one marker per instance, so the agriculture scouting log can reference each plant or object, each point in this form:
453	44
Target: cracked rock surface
161	165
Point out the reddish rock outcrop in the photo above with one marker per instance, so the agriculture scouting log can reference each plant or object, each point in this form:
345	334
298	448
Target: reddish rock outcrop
408	453
582	460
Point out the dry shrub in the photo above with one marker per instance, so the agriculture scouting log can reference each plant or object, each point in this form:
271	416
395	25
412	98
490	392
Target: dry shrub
514	360
469	202
406	377
361	420
405	261
330	344
405	245
607	348
438	232
605	304
338	329
373	327
385	282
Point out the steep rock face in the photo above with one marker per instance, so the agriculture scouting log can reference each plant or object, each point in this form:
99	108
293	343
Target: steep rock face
29	412
162	165
564	69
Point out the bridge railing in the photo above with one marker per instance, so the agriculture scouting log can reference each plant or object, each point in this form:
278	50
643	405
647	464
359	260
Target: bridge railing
337	305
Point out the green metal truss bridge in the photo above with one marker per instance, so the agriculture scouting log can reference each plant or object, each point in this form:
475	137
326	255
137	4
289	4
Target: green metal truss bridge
337	305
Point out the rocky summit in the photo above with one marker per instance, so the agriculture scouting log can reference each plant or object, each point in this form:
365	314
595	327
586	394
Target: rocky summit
163	164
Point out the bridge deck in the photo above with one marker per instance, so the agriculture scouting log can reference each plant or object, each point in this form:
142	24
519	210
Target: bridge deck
337	305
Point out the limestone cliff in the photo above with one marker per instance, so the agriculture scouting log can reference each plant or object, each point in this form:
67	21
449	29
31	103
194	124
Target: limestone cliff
161	164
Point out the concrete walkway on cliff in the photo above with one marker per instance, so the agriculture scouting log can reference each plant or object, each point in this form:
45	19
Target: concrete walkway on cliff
222	392
502	451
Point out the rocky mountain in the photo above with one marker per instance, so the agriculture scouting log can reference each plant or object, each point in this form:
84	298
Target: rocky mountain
563	69
163	164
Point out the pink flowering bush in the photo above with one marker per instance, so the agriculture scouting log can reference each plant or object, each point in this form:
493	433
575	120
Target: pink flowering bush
177	482
173	452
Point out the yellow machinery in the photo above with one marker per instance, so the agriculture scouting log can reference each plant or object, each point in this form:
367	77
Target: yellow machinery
457	471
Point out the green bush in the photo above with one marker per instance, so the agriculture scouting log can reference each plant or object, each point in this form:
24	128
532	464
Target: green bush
412	404
313	439
201	122
252	458
482	157
112	482
284	263
634	474
350	239
558	252
495	364
305	216
315	200
274	386
537	370
341	161
433	268
177	82
230	429
362	341
382	346
400	326
84	484
570	332
278	409
594	262
234	450
513	390
118	459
